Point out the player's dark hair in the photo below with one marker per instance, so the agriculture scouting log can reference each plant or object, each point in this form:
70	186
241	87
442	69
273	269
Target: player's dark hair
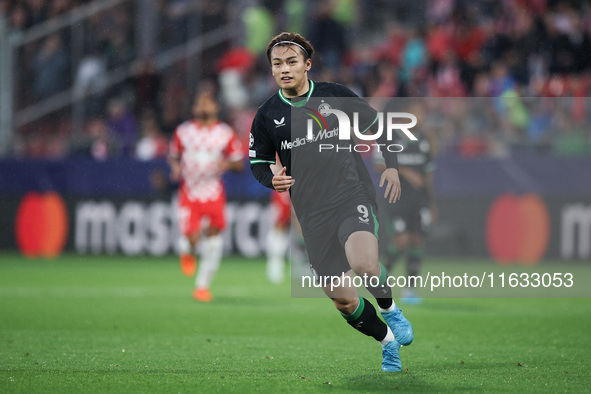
286	38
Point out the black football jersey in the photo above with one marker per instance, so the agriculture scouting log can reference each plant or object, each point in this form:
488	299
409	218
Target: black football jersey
328	171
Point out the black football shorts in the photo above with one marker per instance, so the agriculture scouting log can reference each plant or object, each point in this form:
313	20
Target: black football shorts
326	245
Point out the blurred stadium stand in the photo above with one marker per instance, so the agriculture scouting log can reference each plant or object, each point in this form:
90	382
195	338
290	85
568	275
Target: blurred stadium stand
100	81
66	62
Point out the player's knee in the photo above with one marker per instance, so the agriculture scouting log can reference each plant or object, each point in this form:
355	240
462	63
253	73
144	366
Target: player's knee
362	254
366	266
346	305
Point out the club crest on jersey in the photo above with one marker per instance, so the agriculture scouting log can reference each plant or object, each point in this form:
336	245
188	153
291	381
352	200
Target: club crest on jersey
324	109
280	122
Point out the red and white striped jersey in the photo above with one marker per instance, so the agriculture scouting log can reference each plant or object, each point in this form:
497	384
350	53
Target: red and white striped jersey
201	149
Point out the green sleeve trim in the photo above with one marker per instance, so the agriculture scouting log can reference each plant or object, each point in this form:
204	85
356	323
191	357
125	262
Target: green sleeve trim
355	315
262	161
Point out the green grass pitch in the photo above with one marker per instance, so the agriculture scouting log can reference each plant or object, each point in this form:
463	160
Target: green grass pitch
126	325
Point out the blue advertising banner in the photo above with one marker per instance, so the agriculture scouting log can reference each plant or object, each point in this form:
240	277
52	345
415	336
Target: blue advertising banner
112	178
455	177
487	207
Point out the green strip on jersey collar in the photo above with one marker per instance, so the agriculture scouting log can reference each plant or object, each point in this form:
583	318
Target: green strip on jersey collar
299	103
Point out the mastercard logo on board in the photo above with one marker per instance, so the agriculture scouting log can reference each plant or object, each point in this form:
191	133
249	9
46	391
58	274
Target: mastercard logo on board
41	225
517	229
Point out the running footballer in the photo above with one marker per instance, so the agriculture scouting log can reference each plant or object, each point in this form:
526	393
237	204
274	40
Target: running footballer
331	191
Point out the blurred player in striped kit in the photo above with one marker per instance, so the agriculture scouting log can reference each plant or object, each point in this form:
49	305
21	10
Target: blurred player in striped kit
201	151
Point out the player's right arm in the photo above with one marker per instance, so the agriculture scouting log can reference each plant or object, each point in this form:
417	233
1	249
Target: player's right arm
175	169
276	168
281	181
262	153
174	158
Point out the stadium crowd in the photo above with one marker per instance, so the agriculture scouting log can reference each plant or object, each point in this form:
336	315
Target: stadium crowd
379	48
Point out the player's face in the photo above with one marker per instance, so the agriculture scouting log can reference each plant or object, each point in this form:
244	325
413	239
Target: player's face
289	67
205	108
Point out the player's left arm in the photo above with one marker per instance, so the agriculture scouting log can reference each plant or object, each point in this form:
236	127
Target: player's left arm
369	124
390	176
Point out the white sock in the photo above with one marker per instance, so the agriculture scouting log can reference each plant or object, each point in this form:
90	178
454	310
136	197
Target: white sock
391	309
184	245
213	248
277	242
388	338
198	248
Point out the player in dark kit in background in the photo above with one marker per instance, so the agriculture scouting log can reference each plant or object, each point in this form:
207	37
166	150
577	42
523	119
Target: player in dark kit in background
407	222
331	192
